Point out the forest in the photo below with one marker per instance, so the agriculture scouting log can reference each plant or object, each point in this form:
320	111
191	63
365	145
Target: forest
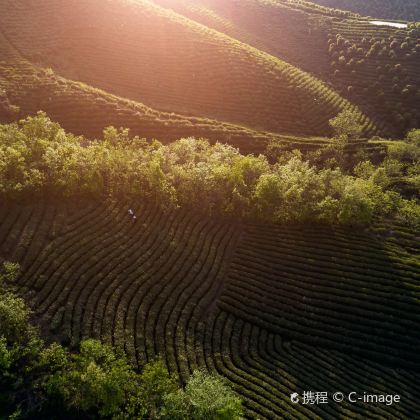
38	158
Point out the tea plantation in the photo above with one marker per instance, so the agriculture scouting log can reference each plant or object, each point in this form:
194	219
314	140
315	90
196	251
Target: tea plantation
275	310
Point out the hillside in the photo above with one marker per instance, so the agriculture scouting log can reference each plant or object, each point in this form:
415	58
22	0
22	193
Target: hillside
341	55
209	209
384	9
374	67
165	285
81	109
285	30
170	63
377	68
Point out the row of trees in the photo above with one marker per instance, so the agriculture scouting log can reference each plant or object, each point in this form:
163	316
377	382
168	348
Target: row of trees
37	156
47	381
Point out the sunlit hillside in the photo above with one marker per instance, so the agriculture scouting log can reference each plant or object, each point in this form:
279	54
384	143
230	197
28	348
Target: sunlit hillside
209	209
170	63
374	67
83	109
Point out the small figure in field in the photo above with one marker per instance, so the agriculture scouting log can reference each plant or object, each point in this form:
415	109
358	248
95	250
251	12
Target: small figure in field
133	216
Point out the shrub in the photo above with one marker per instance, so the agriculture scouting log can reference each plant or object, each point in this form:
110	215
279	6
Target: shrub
346	124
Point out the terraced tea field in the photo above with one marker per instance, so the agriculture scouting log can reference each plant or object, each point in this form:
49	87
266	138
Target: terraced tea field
385	9
359	65
276	310
171	63
81	109
285	30
377	68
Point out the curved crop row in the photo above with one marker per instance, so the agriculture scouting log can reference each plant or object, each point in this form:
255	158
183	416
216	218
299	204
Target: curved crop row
297	40
266	369
274	310
170	63
385	9
81	109
143	286
313	285
376	67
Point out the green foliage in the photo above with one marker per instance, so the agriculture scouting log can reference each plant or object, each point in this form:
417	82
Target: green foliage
14	316
155	383
94	379
413	137
204	398
48	382
19	344
10	271
404	152
38	157
346	125
409	213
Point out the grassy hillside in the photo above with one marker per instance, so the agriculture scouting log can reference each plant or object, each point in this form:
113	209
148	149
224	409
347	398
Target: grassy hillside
385	9
164	285
360	67
170	63
81	109
285	30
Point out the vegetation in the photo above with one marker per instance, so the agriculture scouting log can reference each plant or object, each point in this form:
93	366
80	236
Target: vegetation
38	157
202	293
218	209
82	109
385	9
344	295
163	61
375	67
46	381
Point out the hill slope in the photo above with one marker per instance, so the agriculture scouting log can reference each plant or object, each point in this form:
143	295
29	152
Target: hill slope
284	30
140	51
81	109
164	285
374	67
385	9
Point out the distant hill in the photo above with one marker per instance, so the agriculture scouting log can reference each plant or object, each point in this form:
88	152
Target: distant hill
302	33
150	54
385	9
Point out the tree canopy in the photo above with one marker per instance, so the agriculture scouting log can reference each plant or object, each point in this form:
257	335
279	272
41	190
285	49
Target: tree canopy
37	157
48	381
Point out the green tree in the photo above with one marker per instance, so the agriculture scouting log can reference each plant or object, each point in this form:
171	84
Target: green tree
155	384
96	379
413	137
205	398
346	125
